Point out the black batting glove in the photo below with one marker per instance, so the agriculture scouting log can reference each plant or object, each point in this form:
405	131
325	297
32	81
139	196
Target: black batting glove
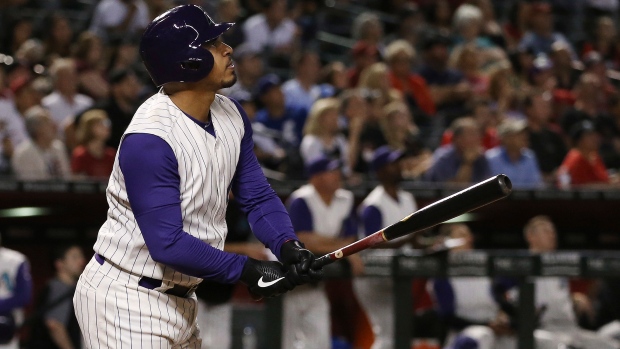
298	261
265	279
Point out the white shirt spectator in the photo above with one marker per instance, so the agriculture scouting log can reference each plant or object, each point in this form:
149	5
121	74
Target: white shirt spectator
32	163
259	36
110	13
11	127
313	147
295	94
62	110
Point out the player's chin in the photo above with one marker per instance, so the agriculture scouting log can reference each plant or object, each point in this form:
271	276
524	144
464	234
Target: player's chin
229	81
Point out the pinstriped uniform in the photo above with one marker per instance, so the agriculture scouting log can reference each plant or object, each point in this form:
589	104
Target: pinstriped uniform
113	311
375	294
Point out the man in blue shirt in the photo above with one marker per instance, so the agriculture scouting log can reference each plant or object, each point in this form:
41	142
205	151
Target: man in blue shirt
541	36
513	157
462	161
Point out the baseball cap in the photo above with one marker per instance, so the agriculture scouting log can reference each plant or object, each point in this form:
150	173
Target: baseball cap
579	129
322	164
266	83
511	126
385	155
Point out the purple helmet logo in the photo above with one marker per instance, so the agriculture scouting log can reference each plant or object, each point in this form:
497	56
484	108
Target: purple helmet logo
171	46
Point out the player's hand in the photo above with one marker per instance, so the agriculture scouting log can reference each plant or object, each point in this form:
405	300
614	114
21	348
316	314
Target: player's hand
298	261
265	278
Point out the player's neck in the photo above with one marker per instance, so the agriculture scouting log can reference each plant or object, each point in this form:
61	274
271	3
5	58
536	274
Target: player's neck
187	101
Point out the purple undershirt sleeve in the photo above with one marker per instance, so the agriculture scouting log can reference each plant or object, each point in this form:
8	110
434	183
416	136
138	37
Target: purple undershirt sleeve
267	216
349	225
301	217
152	180
21	293
372	220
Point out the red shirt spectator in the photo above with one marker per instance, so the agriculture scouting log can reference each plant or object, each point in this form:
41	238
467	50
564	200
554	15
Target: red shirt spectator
415	86
584	170
83	162
489	138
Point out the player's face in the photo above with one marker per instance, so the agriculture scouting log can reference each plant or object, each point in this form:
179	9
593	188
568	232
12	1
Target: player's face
543	238
223	73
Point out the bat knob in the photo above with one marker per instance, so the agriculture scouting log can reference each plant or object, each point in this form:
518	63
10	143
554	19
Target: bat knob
504	183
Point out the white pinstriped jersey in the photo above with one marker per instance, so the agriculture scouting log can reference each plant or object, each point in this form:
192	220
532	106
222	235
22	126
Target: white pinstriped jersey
206	168
327	220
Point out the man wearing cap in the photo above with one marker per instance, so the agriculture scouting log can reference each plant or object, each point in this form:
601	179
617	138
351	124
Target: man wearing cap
385	205
583	164
323	218
588	102
287	121
513	157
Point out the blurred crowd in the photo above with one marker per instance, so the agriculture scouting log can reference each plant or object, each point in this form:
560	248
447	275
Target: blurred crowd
466	88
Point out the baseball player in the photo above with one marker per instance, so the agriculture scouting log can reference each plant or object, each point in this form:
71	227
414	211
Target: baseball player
385	205
184	150
324	219
15	293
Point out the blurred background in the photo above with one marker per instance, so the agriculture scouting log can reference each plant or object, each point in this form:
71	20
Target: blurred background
464	89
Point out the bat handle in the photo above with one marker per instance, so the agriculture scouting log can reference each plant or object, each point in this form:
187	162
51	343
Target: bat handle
321	262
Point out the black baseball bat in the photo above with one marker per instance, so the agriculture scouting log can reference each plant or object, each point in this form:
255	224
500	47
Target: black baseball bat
464	201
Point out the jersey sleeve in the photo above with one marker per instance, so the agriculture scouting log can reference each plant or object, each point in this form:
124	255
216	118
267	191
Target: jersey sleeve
267	216
372	220
301	217
152	181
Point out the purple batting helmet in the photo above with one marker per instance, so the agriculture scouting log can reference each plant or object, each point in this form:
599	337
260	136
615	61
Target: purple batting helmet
171	46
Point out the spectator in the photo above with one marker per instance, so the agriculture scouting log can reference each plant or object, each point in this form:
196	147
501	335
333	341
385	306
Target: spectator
462	161
367	28
114	19
64	103
376	79
490	28
58	326
88	56
604	42
157	7
125	55
58	36
540	76
466	303
322	137
468	21
588	100
286	121
43	157
386	204
516	26
506	89
564	70
448	87
410	23
583	165
302	90
271	30
364	55
249	68
333	79
558	308
593	63
15	290
323	217
468	62
20	30
354	114
403	134
546	142
482	111
541	36
439	16
513	157
12	133
92	158
25	95
400	56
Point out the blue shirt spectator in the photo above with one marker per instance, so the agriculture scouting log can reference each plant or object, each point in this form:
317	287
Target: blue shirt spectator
523	172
